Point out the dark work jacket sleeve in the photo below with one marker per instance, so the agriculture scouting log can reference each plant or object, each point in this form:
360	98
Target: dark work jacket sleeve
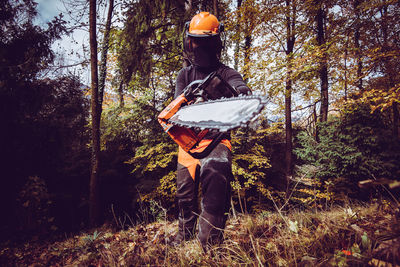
190	74
235	79
180	83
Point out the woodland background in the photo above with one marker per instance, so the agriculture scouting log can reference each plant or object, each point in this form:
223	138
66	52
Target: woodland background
75	156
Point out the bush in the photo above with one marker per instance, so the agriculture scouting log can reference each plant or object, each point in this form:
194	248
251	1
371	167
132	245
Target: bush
250	163
354	147
33	209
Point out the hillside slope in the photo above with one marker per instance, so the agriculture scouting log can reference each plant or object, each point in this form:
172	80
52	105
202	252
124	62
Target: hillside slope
352	236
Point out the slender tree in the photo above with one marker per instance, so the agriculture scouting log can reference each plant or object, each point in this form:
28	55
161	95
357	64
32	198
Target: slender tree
237	36
94	176
320	19
357	42
382	45
188	11
121	94
290	17
282	27
104	51
249	12
215	8
97	92
389	66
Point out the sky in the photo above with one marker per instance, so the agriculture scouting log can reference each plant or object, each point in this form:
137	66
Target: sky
70	48
48	9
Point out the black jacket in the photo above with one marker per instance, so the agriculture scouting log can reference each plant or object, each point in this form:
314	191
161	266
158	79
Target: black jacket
191	73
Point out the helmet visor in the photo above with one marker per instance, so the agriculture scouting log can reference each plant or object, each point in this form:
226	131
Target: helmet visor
202	33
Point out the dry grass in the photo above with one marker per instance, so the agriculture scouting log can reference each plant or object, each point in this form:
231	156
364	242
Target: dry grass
350	236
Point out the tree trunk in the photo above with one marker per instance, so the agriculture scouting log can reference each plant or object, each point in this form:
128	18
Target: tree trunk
345	75
204	5
346	53
288	124
316	133
395	120
247	44
121	94
290	40
389	68
104	51
323	62
94	177
357	44
188	10
237	41
247	54
215	8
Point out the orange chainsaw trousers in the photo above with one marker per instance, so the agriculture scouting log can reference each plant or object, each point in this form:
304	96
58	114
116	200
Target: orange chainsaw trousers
213	175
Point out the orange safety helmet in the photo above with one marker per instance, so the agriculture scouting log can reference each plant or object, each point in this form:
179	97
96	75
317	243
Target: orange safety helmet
204	24
204	30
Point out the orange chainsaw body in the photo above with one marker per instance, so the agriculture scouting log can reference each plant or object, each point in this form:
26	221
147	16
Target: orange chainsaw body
184	137
212	87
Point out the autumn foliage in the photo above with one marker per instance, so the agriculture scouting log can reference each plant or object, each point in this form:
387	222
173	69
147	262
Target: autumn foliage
331	73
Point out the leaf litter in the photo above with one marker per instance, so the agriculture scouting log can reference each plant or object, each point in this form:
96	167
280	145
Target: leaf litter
369	235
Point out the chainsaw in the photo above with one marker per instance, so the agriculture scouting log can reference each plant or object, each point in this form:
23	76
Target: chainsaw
208	105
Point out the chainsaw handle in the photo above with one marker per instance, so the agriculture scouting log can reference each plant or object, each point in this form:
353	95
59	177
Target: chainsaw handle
209	148
191	90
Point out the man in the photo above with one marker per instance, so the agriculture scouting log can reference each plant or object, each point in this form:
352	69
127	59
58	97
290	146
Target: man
203	46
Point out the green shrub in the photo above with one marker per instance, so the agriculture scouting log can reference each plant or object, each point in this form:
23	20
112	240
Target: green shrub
34	207
250	163
354	147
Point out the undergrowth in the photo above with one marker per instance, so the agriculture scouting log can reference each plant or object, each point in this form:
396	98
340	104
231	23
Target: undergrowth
356	235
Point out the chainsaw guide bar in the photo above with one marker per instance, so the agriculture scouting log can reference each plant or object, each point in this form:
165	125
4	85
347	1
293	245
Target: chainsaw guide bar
220	115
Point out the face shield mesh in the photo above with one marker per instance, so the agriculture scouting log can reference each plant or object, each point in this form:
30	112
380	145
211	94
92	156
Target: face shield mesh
203	51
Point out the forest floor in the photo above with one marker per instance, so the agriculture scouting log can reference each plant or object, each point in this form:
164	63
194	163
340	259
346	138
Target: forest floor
357	235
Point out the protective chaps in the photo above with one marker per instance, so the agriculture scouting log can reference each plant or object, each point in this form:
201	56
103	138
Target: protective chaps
214	174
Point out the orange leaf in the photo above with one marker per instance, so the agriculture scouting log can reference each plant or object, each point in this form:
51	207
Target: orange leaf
346	252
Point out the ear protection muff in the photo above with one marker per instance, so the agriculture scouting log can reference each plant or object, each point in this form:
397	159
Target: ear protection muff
221	28
185	40
186	28
221	31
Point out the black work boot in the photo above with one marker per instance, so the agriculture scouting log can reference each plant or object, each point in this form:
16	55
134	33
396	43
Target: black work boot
177	239
187	204
210	229
187	221
215	175
185	233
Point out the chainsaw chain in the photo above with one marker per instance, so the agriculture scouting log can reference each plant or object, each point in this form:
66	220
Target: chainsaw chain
224	128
